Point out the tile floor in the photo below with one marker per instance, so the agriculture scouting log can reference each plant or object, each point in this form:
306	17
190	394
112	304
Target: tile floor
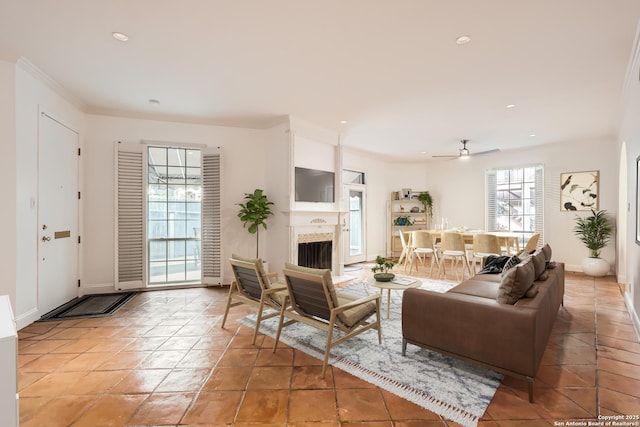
164	360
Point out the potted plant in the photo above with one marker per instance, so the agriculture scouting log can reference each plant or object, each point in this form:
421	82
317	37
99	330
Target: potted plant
254	212
403	220
594	231
381	269
427	203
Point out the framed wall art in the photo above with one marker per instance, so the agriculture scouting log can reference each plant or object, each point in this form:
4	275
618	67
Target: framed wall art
579	191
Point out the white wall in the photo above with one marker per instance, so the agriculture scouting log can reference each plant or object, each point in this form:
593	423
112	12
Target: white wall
8	178
243	170
382	178
32	97
630	135
458	190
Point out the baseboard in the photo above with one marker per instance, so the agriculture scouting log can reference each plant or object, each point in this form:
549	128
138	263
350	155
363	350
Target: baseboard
97	288
27	318
634	316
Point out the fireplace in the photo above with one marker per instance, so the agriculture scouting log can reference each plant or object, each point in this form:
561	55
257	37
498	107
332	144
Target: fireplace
314	240
315	254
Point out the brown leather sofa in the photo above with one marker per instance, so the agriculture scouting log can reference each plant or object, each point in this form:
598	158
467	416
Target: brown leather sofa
469	323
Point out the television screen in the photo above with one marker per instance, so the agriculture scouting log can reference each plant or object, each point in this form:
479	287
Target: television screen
314	185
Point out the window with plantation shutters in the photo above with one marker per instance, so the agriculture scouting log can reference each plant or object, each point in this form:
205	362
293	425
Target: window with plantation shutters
168	215
514	201
130	258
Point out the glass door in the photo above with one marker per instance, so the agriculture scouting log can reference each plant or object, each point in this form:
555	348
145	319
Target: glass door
355	225
174	194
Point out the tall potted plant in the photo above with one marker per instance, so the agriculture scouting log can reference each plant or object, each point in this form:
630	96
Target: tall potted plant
594	231
254	212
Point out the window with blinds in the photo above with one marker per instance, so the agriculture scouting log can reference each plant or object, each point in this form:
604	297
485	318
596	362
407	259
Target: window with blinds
515	201
175	232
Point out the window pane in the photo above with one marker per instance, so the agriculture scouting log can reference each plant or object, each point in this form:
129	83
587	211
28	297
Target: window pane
173	212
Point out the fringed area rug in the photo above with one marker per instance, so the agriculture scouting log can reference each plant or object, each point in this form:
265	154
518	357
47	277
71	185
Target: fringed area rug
452	388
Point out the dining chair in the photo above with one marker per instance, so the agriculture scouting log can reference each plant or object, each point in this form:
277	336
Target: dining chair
484	245
532	243
453	248
405	240
315	302
254	287
422	245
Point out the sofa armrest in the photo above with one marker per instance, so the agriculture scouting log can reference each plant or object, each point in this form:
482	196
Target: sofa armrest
476	328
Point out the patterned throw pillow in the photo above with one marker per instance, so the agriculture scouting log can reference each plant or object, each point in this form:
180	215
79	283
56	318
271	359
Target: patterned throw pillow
511	262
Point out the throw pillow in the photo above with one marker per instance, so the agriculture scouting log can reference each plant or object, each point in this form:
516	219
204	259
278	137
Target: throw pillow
511	262
544	276
539	263
532	292
547	251
515	283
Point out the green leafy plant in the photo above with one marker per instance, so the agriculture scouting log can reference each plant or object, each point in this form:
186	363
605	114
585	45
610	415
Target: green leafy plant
403	220
383	265
427	202
594	231
254	212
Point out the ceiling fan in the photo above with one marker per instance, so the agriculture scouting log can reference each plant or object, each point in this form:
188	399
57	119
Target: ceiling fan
465	153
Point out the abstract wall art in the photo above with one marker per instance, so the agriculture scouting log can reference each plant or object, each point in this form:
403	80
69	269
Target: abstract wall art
579	191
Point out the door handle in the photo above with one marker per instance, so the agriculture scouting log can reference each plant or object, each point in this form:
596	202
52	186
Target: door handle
46	238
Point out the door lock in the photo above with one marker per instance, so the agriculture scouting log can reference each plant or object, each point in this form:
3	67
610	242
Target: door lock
46	238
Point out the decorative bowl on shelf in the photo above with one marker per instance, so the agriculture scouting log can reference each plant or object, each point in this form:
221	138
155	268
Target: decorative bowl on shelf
384	277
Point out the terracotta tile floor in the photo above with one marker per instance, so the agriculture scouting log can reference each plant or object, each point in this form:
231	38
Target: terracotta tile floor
164	360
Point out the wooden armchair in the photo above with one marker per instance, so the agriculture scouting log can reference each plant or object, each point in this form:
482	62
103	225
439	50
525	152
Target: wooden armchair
315	302
256	288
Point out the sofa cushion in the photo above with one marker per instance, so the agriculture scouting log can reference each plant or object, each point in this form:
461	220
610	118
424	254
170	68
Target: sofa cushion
478	286
511	262
516	282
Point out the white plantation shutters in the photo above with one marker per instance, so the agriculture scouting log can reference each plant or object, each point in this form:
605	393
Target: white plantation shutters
211	227
130	236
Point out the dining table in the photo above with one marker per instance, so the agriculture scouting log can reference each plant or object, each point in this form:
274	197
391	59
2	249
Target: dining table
508	240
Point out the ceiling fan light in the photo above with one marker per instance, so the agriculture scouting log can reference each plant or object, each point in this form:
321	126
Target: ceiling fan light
464	152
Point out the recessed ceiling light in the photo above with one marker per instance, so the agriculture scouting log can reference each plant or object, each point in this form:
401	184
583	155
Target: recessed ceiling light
154	101
423	152
511	105
344	122
121	37
532	135
464	39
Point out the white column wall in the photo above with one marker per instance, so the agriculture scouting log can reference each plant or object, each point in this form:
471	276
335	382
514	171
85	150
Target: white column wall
8	178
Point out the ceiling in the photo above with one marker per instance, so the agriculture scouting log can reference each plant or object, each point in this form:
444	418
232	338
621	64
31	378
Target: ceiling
391	69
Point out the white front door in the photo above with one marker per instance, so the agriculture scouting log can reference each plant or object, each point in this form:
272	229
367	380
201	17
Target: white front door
57	214
354	235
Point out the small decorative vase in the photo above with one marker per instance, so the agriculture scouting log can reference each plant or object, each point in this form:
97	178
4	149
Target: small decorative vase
596	267
384	277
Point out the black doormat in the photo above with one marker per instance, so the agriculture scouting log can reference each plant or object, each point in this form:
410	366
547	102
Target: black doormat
90	306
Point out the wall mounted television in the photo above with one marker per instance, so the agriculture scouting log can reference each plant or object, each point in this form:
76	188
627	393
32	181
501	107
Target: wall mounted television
313	185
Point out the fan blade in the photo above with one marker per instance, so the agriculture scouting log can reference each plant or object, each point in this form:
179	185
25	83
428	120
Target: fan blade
482	153
455	156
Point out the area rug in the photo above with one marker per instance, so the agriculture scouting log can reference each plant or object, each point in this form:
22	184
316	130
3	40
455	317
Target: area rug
90	306
452	388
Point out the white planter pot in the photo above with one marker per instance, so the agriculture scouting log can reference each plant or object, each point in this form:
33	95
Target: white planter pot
596	267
